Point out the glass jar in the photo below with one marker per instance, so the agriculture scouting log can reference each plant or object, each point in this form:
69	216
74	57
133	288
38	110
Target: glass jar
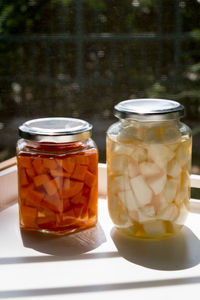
148	165
57	175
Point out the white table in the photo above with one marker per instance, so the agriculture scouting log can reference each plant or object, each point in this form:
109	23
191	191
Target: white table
98	262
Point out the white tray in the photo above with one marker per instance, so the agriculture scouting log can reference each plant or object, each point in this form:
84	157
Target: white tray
98	262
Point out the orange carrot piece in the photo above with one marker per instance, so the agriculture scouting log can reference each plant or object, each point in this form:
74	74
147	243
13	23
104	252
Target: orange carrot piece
68	164
60	173
93	162
30	172
23	177
41	179
82	159
34	197
68	217
79	172
78	210
38	165
90	179
45	216
53	202
69	190
59	183
50	187
79	199
66	204
25	161
92	203
49	163
28	216
23	191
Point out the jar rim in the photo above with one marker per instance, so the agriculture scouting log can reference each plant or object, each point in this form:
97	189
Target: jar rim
55	129
149	109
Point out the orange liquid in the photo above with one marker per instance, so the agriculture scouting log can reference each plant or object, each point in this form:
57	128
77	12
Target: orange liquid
58	193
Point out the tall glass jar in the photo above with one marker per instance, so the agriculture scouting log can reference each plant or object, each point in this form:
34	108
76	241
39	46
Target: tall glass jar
148	165
57	175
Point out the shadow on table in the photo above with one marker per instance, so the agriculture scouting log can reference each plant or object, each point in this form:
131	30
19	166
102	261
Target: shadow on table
177	252
65	245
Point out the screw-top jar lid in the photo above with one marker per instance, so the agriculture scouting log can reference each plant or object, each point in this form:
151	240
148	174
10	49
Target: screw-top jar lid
56	130
149	109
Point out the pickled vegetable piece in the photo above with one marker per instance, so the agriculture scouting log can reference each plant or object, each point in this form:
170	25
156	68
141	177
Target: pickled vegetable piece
79	172
82	160
28	216
41	179
53	202
49	163
71	188
23	178
59	173
90	179
25	162
51	187
38	165
68	164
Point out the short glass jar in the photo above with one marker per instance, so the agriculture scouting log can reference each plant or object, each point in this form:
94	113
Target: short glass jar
57	175
148	165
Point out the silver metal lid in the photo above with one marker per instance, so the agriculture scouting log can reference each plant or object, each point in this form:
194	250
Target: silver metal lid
56	130
149	109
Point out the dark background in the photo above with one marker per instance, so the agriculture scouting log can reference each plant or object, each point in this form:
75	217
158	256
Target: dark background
79	58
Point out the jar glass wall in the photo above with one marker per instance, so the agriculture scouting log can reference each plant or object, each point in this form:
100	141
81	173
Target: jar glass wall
57	185
148	165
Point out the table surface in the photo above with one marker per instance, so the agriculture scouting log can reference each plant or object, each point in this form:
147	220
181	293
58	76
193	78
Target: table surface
97	262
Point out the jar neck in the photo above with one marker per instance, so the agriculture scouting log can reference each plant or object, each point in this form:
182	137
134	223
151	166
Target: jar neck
54	147
135	123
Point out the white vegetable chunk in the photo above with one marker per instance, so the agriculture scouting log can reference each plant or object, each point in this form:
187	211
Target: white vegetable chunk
170	190
182	154
122	149
157	185
173	168
118	163
155	228
129	199
149	169
133	169
180	220
120	183
160	154
139	154
169	213
142	191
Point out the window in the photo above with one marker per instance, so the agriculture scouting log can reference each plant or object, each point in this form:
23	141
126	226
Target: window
80	57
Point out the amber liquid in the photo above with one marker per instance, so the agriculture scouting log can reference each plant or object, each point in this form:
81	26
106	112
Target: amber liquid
58	193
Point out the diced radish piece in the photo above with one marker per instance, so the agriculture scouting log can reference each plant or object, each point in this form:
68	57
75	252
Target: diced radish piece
180	220
133	169
157	185
169	213
155	228
160	154
139	154
182	153
123	149
173	168
129	199
142	191
149	169
170	190
118	164
120	183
